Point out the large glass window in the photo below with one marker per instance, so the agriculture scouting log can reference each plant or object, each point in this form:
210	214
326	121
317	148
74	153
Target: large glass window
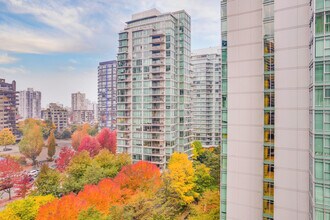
319	47
318	170
319	96
319	72
319	121
319	4
319	24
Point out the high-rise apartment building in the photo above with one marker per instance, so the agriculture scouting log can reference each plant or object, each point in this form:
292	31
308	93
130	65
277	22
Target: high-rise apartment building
107	94
153	83
78	101
57	114
8	108
277	118
206	95
29	104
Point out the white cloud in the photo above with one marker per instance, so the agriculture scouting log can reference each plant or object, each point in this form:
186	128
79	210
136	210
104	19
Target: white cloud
5	71
93	25
5	58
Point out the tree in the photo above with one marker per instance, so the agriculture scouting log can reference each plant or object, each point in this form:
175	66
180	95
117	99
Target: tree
51	144
9	172
22	185
197	149
142	176
6	137
203	179
89	144
25	209
108	139
65	156
79	134
48	182
208	207
32	142
211	158
75	181
90	214
182	175
68	207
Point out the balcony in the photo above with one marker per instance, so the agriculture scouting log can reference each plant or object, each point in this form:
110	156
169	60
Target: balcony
159	40
158	55
157	33
157	48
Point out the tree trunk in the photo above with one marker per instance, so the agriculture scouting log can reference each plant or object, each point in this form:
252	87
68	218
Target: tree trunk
9	193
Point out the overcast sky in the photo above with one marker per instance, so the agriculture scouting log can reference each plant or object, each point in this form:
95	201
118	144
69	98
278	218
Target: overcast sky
55	46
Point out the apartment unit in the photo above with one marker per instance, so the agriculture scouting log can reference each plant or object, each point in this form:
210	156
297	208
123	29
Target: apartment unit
206	95
29	104
269	165
154	86
8	105
82	116
107	94
57	114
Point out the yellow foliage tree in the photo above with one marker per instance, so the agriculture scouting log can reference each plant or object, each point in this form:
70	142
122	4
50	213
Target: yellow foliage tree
6	137
182	176
26	209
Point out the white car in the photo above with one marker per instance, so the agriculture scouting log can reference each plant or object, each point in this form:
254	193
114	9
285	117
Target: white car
33	173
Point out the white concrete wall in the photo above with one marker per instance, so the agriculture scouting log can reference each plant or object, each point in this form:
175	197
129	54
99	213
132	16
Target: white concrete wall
291	109
245	110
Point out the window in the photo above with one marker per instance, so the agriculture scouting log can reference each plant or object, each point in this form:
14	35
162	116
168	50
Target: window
318	145
319	72
327	47
318	96
318	194
327	92
318	121
318	170
327	121
319	24
319	4
319	47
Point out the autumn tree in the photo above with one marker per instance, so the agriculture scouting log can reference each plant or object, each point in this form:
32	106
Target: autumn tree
25	209
208	207
91	214
89	144
182	176
108	139
68	207
75	181
79	134
197	149
23	185
211	158
32	141
203	179
6	138
9	172
51	144
65	156
47	182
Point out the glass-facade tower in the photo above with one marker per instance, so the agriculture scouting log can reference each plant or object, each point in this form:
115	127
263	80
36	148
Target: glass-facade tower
154	78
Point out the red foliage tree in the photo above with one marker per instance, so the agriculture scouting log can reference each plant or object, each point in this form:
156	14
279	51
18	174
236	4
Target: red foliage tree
68	207
108	139
23	185
91	145
9	173
141	176
64	158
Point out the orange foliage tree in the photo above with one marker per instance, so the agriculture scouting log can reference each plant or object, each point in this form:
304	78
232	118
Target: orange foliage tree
132	179
79	135
68	207
108	139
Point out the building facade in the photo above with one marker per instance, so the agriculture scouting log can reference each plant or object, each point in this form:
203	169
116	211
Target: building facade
268	156
206	95
153	83
83	116
78	101
29	104
57	114
8	105
107	94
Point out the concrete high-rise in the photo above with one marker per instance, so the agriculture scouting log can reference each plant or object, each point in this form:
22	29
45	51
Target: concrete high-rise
57	114
29	104
273	121
78	101
8	105
206	95
154	86
107	94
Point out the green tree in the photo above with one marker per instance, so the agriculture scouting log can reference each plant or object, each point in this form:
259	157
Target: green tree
208	207
6	137
90	214
48	182
211	159
32	141
197	149
203	179
75	181
51	144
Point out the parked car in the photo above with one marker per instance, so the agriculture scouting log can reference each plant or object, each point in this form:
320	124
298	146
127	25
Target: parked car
33	173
